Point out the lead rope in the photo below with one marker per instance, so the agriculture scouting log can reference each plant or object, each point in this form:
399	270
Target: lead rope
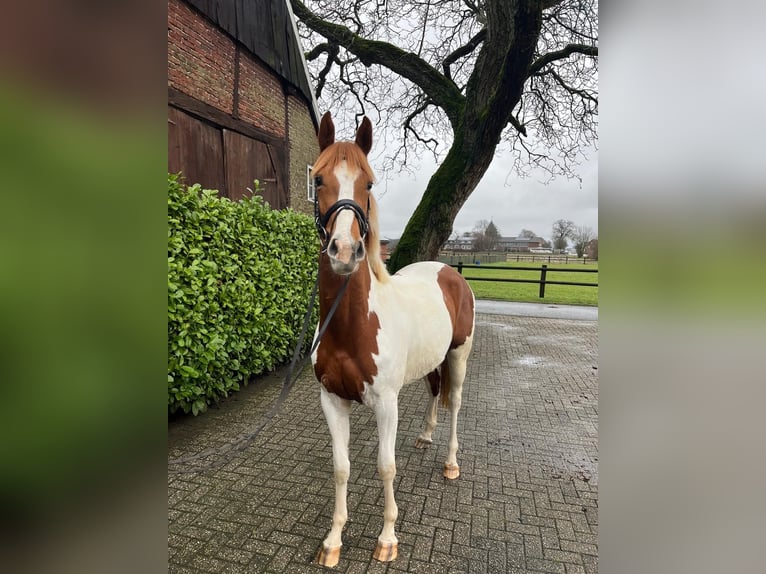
230	449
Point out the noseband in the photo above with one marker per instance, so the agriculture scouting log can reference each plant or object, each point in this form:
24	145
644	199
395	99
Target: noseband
322	221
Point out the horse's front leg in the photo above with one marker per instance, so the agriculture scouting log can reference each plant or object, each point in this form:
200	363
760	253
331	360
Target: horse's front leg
387	414
336	411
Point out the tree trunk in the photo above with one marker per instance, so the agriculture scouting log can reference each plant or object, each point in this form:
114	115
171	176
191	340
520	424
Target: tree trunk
448	189
493	91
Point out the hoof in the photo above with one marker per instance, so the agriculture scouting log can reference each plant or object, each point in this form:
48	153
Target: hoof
423	442
328	557
386	551
451	471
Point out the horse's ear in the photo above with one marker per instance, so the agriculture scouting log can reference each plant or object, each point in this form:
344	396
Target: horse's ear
364	136
326	132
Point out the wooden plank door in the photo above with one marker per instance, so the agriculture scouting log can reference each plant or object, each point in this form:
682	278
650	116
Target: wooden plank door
196	150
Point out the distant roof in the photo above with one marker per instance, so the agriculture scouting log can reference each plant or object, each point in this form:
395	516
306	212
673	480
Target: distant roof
522	239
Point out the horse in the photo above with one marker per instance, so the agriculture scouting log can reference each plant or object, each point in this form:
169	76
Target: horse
387	330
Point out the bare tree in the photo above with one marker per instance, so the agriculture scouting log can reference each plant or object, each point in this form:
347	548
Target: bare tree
480	241
591	249
455	78
563	229
527	234
581	236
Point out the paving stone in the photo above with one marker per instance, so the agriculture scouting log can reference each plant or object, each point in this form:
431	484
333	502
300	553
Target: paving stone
526	499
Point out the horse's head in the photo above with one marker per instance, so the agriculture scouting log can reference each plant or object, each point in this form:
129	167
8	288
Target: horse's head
343	181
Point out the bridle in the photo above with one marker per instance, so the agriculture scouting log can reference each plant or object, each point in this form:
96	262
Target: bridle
322	221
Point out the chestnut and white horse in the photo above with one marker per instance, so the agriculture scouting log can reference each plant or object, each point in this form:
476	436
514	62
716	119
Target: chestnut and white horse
387	330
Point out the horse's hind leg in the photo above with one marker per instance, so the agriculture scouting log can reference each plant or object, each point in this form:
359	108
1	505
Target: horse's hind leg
424	438
457	360
336	411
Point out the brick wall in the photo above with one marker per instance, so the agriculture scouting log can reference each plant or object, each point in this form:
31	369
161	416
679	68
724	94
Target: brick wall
304	149
201	64
261	98
200	57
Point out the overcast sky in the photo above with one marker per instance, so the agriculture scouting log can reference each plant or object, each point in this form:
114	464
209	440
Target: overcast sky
511	202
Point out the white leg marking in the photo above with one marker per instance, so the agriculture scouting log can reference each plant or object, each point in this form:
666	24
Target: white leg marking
336	412
387	414
457	362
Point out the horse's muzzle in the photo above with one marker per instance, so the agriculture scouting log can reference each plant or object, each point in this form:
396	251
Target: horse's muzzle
345	255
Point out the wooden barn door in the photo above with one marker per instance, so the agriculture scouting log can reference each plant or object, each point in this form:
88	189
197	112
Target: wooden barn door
246	159
195	148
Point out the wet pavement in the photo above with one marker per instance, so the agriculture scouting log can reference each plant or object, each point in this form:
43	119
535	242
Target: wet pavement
525	501
542	310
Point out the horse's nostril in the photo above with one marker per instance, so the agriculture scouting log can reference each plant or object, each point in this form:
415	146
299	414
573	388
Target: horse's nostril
359	252
332	249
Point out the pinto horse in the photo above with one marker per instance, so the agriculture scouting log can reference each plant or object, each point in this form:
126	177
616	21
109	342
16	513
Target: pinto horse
386	331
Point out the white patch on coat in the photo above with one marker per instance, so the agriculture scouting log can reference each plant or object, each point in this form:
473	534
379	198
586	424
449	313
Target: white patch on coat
415	328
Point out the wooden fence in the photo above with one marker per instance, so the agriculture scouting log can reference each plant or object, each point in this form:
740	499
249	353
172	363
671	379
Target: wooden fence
543	281
455	257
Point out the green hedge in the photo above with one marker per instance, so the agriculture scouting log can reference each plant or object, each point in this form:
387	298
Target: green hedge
239	280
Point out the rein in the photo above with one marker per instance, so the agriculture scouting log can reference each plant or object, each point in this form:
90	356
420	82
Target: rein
242	441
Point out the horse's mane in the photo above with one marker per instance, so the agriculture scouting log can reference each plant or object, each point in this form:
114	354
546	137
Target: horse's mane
351	153
373	245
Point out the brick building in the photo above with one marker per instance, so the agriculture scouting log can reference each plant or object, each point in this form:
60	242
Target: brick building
240	102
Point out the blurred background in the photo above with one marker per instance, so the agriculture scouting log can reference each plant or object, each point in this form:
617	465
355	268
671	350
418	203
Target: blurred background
83	288
682	210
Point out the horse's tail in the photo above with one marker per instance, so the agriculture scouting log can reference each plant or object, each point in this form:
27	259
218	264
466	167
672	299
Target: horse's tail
445	382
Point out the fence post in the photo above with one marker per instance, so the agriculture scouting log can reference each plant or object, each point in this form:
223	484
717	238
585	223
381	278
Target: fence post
460	267
543	273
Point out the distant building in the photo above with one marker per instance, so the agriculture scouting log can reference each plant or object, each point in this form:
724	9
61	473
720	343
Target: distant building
459	244
387	246
520	244
512	244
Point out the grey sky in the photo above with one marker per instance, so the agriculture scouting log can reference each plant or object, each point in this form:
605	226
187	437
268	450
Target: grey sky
511	202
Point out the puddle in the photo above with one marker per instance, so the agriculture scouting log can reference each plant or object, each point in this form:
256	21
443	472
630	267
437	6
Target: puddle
559	459
529	361
503	326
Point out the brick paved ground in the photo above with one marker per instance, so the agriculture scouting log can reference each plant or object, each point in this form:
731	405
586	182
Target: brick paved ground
526	499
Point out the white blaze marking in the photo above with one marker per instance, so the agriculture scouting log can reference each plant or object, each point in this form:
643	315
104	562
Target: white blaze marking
344	241
345	218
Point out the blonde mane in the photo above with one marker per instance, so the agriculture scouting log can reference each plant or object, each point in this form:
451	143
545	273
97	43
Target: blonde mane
353	155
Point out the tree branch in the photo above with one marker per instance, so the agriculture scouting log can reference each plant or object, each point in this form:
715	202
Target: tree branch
317	51
550	3
408	127
582	93
332	58
463	51
565	52
437	87
516	124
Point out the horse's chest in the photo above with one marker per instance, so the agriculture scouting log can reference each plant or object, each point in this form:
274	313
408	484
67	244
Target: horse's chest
343	370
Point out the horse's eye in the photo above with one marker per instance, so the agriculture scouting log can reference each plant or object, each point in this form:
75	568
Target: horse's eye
318	181
369	186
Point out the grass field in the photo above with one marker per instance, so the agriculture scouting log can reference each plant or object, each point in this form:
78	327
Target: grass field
529	292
